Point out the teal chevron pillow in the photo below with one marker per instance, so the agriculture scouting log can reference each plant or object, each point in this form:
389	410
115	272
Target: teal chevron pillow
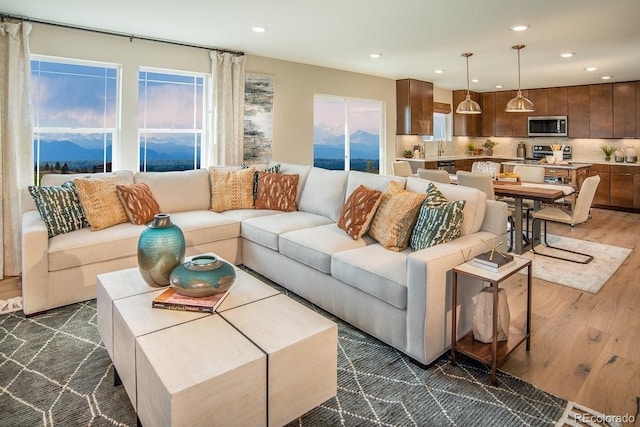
59	208
439	220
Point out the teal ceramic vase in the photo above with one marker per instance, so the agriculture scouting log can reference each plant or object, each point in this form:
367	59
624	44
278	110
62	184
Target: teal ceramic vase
202	276
160	249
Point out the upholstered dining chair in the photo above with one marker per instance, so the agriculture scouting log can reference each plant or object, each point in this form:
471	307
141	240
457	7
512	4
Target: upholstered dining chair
528	173
579	215
401	168
435	175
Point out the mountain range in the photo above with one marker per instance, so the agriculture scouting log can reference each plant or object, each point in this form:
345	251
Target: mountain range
364	145
67	151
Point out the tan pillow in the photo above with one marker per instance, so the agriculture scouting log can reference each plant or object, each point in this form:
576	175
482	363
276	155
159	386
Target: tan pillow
277	191
231	189
100	202
358	211
394	220
138	202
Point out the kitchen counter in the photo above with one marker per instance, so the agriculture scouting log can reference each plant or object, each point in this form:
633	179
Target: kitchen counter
459	157
568	166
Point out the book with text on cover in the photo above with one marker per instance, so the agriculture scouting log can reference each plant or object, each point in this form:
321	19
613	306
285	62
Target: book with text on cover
493	259
171	300
492	268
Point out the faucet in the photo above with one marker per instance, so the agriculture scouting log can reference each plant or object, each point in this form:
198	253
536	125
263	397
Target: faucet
441	144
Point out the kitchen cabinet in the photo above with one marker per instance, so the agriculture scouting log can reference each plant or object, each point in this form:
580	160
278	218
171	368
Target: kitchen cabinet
503	119
578	111
601	111
622	183
540	99
465	165
414	107
636	190
601	197
488	115
624	110
520	121
465	124
638	109
556	101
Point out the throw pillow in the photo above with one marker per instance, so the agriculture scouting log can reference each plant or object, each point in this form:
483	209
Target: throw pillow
231	189
277	191
99	199
59	208
439	220
256	176
358	211
138	202
395	217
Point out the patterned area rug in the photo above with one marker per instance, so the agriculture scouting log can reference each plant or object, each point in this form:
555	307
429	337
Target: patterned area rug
54	371
587	277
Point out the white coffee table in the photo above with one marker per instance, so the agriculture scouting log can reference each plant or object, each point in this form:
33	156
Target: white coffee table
263	359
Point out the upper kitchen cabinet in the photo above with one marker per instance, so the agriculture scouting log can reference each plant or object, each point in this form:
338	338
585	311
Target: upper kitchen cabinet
556	101
504	126
465	124
540	99
414	103
578	111
519	121
624	110
488	116
601	111
637	109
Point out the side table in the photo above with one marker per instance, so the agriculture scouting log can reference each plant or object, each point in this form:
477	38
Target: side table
494	353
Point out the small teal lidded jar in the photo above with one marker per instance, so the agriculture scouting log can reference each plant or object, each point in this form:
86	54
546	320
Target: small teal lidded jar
202	276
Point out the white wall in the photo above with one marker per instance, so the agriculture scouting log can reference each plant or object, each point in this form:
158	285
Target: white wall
295	85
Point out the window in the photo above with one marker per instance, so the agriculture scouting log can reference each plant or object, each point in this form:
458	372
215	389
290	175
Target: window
171	117
346	133
75	111
441	126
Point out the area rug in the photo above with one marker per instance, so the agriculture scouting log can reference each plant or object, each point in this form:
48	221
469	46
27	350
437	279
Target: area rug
55	371
586	277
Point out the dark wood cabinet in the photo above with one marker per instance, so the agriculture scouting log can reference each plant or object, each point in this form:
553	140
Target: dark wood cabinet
638	109
624	110
557	101
520	121
465	124
602	193
578	111
488	115
622	182
540	100
503	119
601	111
636	190
414	107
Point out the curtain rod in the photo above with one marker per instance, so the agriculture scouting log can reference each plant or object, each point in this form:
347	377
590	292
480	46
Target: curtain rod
131	37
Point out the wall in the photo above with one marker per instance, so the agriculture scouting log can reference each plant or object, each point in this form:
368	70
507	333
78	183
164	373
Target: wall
295	85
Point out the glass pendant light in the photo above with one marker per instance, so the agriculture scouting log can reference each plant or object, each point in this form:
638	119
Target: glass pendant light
468	106
519	104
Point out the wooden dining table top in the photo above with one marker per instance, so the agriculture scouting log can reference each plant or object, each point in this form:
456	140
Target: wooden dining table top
533	193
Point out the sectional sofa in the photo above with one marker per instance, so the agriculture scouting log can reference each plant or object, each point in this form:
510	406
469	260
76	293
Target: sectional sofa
400	297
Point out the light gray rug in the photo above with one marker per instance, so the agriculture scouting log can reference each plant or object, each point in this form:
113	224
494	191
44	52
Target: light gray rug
586	277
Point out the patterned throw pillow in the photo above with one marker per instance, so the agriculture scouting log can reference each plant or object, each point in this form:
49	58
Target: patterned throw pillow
439	220
99	199
358	211
271	169
231	189
277	191
138	202
395	217
59	208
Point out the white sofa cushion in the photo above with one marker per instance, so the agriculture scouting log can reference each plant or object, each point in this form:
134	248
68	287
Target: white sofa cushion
125	177
369	180
242	214
178	191
205	226
474	210
314	246
323	192
375	270
267	229
301	170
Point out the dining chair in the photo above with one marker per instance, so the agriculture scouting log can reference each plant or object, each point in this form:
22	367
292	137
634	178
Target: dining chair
435	175
528	173
401	168
579	215
492	168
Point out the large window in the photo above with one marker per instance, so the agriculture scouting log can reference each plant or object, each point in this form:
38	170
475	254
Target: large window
346	133
75	112
171	117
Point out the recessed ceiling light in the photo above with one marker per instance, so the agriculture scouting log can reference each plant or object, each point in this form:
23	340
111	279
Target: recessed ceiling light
438	71
475	80
605	77
258	29
499	86
519	27
375	55
567	54
590	69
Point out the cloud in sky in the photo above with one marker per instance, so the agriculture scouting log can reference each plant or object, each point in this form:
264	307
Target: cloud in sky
329	115
172	106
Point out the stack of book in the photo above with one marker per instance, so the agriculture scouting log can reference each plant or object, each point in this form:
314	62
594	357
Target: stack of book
171	300
493	261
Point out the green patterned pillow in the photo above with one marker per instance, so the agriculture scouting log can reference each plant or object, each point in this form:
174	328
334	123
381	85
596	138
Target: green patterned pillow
59	208
439	220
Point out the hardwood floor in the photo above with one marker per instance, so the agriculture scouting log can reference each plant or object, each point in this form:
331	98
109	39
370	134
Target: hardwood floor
585	347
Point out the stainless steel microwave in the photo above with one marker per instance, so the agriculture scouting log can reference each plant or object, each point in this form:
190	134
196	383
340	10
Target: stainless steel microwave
548	126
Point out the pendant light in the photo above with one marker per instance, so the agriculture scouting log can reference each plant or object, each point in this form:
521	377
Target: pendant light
468	106
519	104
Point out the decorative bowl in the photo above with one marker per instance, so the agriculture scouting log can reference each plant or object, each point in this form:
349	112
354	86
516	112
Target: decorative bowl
202	276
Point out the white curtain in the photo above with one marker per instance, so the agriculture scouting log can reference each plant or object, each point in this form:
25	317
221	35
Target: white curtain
16	138
227	110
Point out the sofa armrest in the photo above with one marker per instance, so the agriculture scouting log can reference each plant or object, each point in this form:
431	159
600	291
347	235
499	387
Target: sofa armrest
35	263
495	218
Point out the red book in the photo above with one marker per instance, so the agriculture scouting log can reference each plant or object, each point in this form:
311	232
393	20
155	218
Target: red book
171	300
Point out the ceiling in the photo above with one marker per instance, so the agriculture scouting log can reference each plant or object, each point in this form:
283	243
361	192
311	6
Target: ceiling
415	37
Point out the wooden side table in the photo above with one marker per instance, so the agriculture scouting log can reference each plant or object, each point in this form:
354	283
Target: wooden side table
494	353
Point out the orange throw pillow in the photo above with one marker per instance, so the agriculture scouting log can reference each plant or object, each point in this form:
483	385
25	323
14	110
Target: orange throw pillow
138	202
277	191
358	211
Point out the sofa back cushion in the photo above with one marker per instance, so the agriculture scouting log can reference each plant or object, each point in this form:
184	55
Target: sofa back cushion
474	208
178	191
369	180
324	192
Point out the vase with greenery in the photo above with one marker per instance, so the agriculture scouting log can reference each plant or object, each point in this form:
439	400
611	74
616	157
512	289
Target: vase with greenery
608	151
407	154
488	145
470	148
